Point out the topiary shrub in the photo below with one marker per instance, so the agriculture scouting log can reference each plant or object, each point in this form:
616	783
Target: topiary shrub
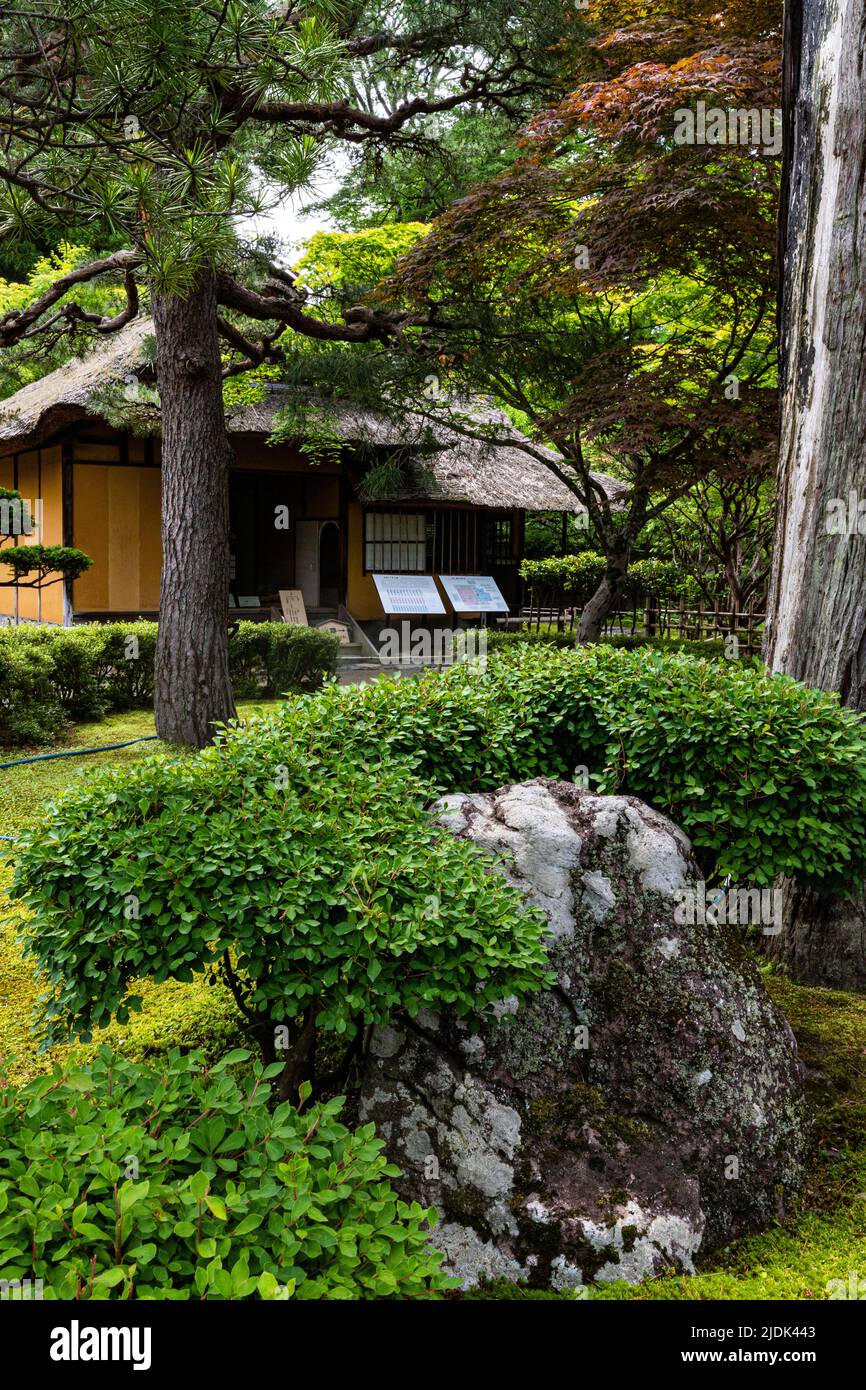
179	1181
573	579
30	707
32	564
267	659
323	894
663	579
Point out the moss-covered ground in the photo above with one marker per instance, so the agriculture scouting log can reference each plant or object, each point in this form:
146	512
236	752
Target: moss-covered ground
822	1239
173	1014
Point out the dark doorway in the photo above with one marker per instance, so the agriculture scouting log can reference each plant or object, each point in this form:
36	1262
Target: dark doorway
264	509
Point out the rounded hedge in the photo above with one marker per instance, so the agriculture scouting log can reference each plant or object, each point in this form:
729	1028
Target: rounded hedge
311	884
575	578
765	775
50	675
297	852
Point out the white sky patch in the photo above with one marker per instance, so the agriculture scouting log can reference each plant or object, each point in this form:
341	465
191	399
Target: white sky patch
283	216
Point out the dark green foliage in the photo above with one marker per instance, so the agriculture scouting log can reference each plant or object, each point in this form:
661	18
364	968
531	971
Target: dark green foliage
542	537
310	873
765	775
52	674
275	658
627	641
569	578
30	708
71	658
229	1198
123	657
39	561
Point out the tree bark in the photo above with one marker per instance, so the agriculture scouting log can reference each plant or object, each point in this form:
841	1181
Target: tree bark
193	687
595	613
617	546
817	607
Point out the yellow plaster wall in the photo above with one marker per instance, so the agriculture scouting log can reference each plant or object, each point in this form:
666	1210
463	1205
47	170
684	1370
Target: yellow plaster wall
362	598
116	519
37	483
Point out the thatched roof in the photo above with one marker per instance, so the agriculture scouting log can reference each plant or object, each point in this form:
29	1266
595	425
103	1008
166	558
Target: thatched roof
442	463
64	395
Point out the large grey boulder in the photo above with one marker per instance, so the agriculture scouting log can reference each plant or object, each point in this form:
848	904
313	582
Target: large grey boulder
646	1107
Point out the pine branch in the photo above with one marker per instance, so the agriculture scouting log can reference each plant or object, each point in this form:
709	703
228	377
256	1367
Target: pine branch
15	325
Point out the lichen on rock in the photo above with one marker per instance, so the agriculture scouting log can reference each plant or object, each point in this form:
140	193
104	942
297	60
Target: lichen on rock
646	1107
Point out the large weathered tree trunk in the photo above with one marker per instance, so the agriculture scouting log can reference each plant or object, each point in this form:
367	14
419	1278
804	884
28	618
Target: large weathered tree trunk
817	628
193	688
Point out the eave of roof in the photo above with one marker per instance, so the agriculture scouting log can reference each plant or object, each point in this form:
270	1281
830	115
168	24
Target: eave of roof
456	469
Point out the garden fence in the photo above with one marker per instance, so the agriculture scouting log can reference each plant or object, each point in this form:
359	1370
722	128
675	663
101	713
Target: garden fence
651	617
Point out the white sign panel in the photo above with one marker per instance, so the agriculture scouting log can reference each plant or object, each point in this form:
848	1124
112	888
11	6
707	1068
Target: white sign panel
473	593
408	593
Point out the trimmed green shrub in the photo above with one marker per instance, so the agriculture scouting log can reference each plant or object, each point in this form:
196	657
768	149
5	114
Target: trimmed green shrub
309	873
30	708
93	668
124	657
178	1181
34	563
765	775
573	579
70	655
325	896
275	658
661	578
710	650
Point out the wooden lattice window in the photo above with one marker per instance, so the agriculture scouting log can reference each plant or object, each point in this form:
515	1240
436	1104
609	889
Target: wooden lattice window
395	542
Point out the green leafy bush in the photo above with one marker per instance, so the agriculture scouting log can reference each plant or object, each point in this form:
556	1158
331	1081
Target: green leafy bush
93	668
311	876
765	775
30	708
275	658
36	562
178	1181
69	655
325	896
498	639
569	578
661	578
124	661
573	579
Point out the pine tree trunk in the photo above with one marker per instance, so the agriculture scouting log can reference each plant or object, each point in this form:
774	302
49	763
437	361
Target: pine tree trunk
817	624
193	687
